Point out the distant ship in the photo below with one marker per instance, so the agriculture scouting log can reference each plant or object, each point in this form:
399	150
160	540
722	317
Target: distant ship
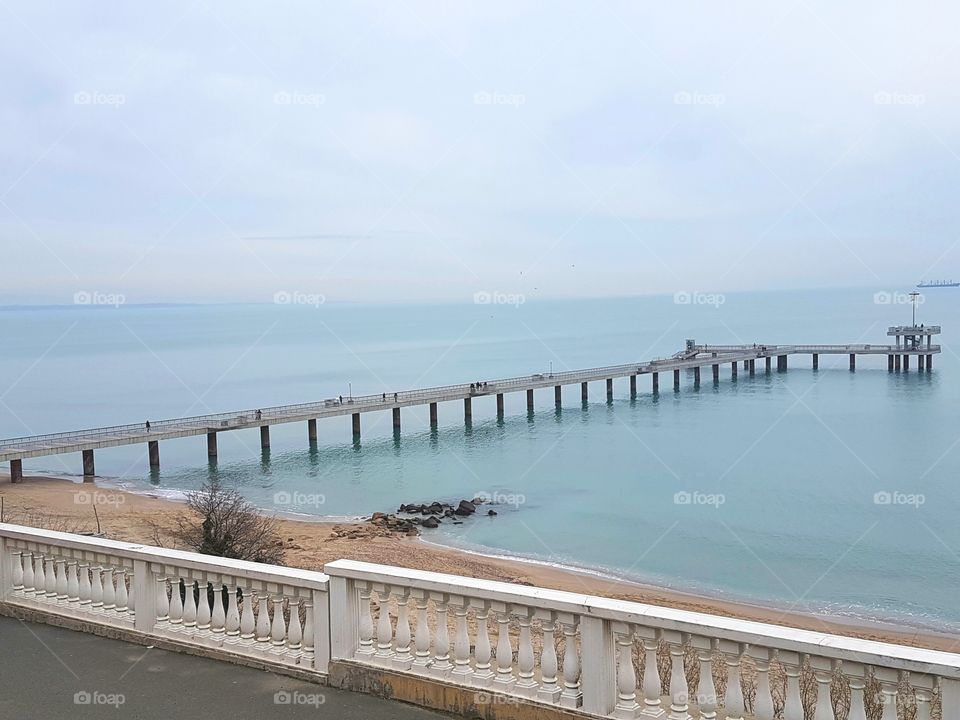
938	283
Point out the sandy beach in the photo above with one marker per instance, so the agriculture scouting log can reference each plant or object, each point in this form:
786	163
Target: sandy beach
69	506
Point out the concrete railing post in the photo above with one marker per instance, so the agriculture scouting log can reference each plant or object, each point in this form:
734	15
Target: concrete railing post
321	630
6	570
598	676
344	618
144	591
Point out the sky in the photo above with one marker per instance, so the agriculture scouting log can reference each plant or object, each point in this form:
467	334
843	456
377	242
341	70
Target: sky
427	151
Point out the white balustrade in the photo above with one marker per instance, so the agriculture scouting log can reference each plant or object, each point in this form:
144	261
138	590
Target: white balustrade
472	634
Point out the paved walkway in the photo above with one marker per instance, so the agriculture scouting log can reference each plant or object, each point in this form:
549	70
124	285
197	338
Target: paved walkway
50	673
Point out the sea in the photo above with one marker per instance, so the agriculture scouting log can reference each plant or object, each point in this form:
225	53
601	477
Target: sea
824	491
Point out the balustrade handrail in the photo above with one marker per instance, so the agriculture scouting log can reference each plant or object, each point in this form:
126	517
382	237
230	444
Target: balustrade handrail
870	652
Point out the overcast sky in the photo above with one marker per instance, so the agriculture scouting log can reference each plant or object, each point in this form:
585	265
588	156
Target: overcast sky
406	151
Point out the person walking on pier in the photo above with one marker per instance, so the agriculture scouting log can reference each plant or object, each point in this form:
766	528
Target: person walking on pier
394	397
384	399
259	415
148	426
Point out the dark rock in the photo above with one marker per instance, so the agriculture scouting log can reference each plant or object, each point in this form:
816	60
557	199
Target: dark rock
430	522
491	512
465	508
478	501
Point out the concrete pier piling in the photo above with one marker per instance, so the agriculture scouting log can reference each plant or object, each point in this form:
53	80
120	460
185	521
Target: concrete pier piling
499	404
781	363
609	389
906	363
89	469
920	363
433	412
716	373
816	361
211	444
633	386
656	383
312	431
153	450
396	418
558	396
468	409
733	369
676	379
530	400
356	425
264	437
696	377
768	362
896	363
752	367
16	471
584	392
889	363
853	361
929	362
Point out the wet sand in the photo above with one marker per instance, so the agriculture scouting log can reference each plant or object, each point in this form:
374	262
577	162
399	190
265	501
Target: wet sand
69	506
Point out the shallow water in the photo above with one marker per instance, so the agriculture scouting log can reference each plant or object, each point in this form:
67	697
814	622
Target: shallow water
782	470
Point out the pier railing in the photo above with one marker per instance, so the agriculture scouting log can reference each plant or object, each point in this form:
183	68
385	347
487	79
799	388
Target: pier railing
497	642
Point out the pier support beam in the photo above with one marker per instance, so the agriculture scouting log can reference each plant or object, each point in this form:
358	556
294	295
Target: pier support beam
781	363
467	409
356	425
89	470
896	363
768	363
929	362
153	449
558	396
530	400
889	363
584	392
716	373
656	383
733	368
499	404
264	437
752	367
816	361
16	471
211	444
853	361
696	377
676	379
396	418
312	430
633	386
906	363
920	362
433	414
609	389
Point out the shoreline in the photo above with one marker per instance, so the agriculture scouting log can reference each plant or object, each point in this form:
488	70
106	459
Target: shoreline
136	516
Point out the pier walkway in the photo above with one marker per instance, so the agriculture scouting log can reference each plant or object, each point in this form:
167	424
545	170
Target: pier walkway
910	342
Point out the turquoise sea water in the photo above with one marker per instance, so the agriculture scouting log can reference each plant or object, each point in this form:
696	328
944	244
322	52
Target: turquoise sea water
797	458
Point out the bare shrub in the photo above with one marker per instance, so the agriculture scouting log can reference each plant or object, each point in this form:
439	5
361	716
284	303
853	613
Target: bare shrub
222	522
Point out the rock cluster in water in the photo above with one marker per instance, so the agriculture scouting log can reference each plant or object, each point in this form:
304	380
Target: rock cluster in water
410	517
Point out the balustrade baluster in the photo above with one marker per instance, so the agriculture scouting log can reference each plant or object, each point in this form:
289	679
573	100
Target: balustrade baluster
263	618
73	583
39	581
163	600
218	616
403	659
248	622
109	592
627	706
461	642
203	608
823	674
763	702
706	690
308	656
526	684
441	665
422	637
61	585
189	605
571	697
889	680
792	704
50	579
549	689
366	623
278	629
231	623
96	588
679	694
384	628
923	699
294	630
121	595
17	556
733	698
652	704
29	576
483	675
504	679
86	589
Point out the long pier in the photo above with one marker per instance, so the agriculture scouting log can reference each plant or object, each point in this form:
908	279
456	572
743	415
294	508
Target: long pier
911	341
